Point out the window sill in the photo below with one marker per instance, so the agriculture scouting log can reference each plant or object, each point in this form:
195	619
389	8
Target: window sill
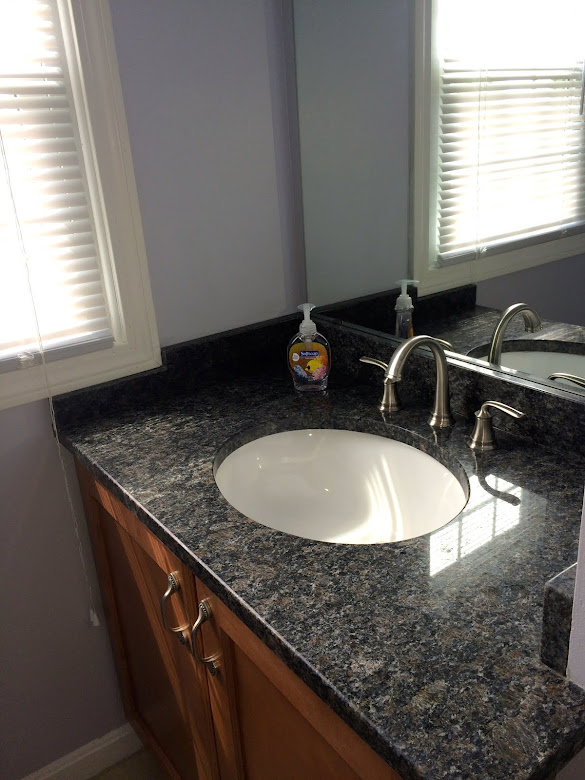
26	385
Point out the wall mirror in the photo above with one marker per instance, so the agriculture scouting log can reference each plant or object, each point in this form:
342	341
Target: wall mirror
357	109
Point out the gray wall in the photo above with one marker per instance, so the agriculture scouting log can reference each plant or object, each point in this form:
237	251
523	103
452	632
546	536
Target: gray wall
353	70
56	675
197	91
555	290
208	127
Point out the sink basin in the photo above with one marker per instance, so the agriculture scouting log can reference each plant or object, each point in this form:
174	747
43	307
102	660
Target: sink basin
541	363
340	486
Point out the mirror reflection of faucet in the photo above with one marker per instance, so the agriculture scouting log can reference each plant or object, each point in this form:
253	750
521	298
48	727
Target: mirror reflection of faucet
531	324
441	436
577	380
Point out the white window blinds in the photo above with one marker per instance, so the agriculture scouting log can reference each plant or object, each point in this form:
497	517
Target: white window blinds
49	244
511	131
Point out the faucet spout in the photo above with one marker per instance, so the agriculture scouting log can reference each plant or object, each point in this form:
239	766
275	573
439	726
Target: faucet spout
441	416
531	323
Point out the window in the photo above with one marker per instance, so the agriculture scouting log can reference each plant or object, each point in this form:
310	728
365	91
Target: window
499	137
75	303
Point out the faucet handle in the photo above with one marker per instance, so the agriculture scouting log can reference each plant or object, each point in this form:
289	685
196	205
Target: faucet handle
483	436
578	380
390	400
375	362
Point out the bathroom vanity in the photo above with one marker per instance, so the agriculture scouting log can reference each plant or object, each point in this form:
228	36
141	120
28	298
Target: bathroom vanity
417	659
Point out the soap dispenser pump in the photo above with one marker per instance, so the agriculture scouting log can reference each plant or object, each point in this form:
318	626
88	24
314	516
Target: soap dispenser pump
404	309
309	356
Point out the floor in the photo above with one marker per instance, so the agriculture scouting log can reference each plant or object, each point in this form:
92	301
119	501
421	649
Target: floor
140	766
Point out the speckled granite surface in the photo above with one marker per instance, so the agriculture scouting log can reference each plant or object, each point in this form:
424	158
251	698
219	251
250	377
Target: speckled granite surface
429	649
557	619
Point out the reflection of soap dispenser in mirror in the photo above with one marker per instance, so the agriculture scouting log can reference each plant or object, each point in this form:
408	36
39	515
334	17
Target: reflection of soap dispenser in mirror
404	309
309	356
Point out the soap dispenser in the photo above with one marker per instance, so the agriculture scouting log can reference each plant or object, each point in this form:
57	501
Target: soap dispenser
404	309
309	356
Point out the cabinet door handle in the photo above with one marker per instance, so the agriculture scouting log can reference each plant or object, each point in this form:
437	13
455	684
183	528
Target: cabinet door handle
173	586
204	614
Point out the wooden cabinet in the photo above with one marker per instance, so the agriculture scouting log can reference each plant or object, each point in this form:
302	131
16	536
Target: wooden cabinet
274	725
251	720
164	690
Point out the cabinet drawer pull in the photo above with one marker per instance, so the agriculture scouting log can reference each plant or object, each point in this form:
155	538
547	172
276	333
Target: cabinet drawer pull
204	614
173	586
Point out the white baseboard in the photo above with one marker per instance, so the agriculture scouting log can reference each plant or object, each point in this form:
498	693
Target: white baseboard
89	760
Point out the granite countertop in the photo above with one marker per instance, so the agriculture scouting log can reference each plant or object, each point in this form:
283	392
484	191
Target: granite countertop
557	619
428	648
471	331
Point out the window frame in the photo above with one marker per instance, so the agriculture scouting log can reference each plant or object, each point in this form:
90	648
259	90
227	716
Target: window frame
89	43
424	201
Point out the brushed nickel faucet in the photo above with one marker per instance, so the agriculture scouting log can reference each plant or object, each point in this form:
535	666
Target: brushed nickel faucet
531	323
441	416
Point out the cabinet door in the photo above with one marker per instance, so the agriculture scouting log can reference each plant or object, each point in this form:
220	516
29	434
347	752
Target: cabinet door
271	723
164	690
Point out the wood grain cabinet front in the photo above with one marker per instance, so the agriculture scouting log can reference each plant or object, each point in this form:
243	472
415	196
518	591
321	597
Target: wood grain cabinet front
247	716
164	691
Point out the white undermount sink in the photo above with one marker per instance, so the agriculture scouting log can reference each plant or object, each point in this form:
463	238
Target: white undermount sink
340	486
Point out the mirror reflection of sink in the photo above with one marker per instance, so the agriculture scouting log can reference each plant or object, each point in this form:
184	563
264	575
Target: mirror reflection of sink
340	486
540	358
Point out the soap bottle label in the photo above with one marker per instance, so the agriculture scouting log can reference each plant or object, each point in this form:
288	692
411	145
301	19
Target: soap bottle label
308	362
